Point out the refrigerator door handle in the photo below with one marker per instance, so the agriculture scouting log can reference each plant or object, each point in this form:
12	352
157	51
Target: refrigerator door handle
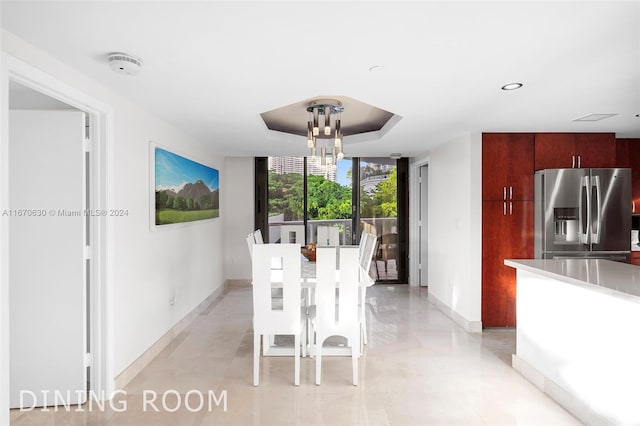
596	210
584	210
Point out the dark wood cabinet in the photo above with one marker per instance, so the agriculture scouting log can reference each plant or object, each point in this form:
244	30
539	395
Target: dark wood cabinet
622	152
507	220
628	155
554	150
567	150
507	166
507	233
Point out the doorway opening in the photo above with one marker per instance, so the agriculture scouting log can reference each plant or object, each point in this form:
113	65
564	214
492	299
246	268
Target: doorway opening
54	187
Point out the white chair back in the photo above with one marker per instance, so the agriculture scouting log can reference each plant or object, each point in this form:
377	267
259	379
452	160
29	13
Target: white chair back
292	234
284	319
367	248
250	243
328	236
347	300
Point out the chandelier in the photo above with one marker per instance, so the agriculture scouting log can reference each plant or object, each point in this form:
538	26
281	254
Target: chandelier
324	117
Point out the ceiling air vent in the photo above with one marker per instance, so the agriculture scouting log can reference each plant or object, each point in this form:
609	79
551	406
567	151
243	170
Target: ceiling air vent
594	117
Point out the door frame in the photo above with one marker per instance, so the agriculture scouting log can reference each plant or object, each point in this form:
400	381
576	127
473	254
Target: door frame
414	216
100	305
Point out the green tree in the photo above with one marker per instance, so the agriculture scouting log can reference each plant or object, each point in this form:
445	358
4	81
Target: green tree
386	196
161	199
286	195
178	203
328	200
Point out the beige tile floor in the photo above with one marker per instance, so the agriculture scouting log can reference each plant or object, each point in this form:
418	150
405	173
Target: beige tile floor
418	369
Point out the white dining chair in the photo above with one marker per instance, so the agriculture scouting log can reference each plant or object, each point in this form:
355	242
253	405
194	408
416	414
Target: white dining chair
328	236
292	234
250	243
366	250
325	321
257	235
285	319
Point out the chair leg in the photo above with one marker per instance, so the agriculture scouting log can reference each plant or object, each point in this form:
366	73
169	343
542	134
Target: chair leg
256	359
318	359
354	365
296	355
365	340
305	332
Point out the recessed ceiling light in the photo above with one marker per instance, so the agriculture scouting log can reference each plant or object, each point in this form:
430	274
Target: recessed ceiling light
637	115
594	117
512	86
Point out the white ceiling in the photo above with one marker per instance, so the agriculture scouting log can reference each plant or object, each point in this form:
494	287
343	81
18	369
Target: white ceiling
212	67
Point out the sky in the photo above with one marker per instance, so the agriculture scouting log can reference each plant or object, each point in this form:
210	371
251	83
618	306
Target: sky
174	171
341	173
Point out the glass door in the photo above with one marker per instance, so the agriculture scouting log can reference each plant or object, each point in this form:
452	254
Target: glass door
379	213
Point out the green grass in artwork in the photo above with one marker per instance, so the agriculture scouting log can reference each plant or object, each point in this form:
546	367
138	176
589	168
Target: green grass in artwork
166	216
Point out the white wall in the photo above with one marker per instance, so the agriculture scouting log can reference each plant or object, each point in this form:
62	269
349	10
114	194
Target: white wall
152	266
146	267
4	245
455	228
238	199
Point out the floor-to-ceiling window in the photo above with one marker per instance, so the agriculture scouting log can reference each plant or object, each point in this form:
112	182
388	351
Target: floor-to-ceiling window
301	191
379	212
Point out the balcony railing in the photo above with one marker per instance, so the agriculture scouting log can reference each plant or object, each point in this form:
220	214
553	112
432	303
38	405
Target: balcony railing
384	263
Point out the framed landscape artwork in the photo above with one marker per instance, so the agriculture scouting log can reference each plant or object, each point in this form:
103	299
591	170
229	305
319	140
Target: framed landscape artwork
185	191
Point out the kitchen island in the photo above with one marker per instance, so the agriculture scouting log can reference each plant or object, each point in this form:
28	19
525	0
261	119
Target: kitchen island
577	335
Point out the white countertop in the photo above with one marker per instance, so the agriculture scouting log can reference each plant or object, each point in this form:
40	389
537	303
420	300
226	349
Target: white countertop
604	276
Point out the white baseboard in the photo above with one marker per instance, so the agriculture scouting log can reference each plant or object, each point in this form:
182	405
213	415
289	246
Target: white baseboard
566	399
147	356
468	326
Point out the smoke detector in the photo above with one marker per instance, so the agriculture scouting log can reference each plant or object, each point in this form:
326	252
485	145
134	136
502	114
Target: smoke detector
124	64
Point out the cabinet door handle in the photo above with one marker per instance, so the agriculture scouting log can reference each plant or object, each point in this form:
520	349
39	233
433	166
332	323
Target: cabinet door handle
504	192
579	161
510	208
511	192
573	161
504	208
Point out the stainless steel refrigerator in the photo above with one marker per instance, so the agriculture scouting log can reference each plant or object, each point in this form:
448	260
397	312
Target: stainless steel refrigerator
582	213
